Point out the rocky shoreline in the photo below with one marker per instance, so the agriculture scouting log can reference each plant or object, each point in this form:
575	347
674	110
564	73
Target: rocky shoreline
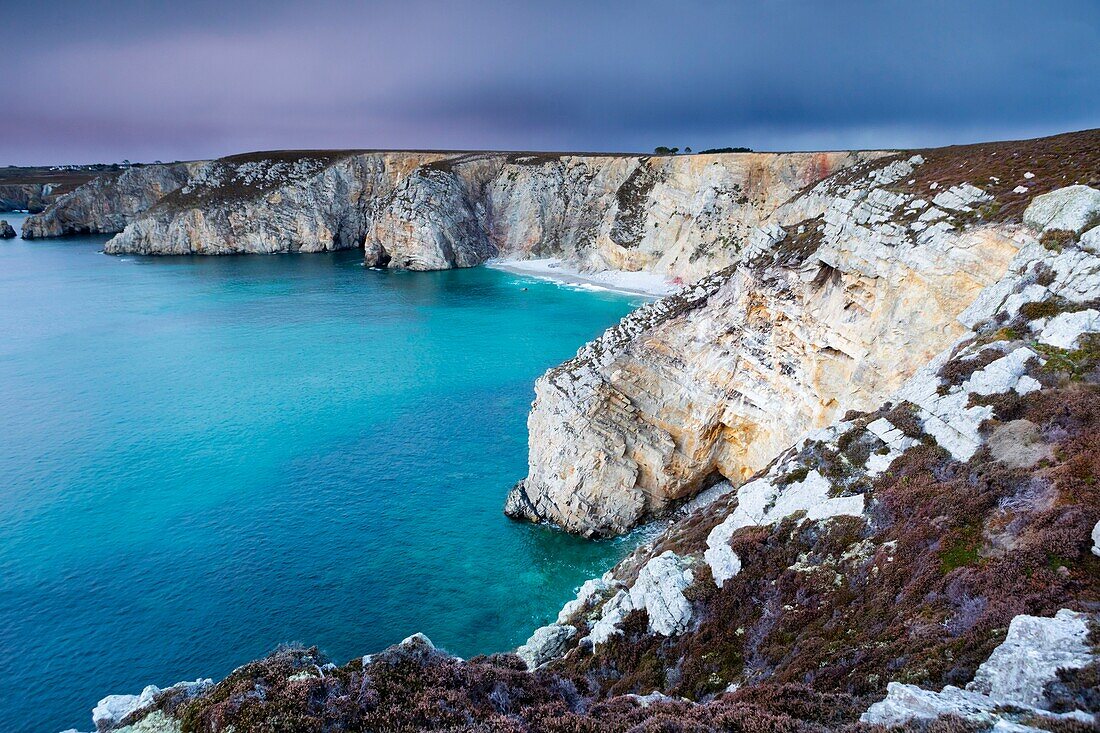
872	409
930	564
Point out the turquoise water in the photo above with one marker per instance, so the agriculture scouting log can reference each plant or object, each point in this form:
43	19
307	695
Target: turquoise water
201	458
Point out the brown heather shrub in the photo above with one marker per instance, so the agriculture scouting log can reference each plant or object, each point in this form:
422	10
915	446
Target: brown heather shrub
957	371
1057	239
903	416
930	611
1057	161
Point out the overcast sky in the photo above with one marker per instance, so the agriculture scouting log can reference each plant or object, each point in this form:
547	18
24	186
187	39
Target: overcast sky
107	80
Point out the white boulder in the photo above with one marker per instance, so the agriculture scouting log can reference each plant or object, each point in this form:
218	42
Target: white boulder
546	644
1090	240
1032	653
1065	329
1072	208
588	590
112	709
659	589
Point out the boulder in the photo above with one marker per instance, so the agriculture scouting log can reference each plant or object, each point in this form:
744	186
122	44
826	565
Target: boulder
1073	208
112	709
659	589
546	644
1090	240
6	230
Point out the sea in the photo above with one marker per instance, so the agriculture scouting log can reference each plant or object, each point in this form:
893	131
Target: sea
202	458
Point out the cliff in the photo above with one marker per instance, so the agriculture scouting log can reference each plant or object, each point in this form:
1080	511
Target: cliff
679	216
929	564
34	188
107	203
842	293
24	196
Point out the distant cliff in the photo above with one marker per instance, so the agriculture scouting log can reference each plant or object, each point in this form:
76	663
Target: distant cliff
25	196
36	187
680	216
107	203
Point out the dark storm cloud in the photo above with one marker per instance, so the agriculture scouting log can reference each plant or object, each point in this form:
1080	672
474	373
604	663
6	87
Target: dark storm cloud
105	81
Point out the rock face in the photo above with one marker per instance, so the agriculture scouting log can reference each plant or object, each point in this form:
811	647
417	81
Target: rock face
679	216
107	204
34	188
24	196
113	710
1073	208
839	298
1014	676
6	230
546	644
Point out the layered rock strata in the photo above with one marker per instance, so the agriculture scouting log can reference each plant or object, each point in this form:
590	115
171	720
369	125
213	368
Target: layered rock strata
679	216
840	296
841	293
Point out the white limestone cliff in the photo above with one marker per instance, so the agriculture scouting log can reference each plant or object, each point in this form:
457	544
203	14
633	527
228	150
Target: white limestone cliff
793	485
680	217
839	298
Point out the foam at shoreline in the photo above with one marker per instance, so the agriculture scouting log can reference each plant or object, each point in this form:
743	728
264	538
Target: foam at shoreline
649	284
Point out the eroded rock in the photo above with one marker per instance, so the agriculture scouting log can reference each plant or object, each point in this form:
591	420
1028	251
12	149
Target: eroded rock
1073	208
106	205
722	376
547	643
1011	679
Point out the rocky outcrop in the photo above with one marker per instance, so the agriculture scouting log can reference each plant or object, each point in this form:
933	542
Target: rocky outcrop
25	196
105	205
432	219
1073	209
1010	685
6	230
34	188
115	711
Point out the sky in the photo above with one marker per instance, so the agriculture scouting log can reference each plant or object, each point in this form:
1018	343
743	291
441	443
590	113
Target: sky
102	81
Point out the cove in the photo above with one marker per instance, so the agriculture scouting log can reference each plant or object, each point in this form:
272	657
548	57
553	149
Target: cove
205	457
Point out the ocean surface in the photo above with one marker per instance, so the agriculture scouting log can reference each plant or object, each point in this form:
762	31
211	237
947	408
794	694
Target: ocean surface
201	458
